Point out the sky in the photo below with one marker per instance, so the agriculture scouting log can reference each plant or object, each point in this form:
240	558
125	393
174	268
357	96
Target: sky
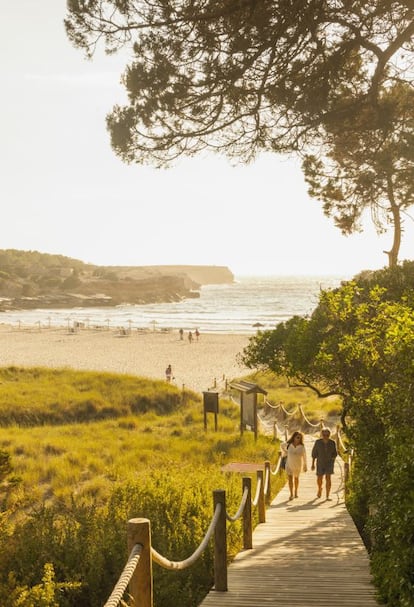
64	191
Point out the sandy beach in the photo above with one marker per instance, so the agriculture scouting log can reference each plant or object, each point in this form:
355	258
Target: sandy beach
195	365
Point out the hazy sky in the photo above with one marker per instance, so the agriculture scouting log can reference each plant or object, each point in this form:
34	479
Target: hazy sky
64	191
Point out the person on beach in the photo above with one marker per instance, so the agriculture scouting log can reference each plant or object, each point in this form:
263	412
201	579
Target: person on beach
295	451
197	334
324	453
190	337
168	373
181	332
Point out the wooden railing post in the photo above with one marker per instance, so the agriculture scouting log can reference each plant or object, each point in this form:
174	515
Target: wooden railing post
247	515
140	586
220	543
261	505
268	476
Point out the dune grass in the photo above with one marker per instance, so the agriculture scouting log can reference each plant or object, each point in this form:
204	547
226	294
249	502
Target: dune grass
94	449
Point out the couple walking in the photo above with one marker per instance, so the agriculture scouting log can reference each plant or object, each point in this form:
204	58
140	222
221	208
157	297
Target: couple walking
324	453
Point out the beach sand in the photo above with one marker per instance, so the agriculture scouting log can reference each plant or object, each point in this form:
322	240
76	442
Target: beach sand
195	365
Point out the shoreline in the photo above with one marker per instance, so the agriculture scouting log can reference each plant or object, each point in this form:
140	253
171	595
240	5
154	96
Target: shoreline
196	365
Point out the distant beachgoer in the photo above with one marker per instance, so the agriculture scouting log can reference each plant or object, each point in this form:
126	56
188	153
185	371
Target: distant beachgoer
324	452
181	332
190	337
168	373
197	334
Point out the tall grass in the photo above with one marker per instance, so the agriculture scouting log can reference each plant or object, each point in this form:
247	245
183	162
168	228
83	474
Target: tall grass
81	480
35	396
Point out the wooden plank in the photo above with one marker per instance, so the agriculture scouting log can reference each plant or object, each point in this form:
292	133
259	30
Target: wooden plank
308	553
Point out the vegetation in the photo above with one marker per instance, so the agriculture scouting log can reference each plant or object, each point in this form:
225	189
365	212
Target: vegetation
359	344
365	168
245	77
76	483
30	279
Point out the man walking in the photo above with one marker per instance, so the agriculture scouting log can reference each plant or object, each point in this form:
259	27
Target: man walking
324	452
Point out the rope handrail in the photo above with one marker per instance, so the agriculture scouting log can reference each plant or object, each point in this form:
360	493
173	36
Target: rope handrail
125	577
308	420
258	489
267	426
264	422
266	480
291	412
242	506
341	443
277	468
178	565
269	404
279	431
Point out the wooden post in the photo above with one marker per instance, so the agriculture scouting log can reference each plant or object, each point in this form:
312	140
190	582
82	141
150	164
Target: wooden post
241	414
247	515
140	586
220	543
255	416
261	505
267	474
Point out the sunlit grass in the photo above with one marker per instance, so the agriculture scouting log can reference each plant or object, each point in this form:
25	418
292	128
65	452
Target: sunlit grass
34	396
140	450
59	461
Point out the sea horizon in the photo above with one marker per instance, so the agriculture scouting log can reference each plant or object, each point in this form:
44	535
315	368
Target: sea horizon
243	306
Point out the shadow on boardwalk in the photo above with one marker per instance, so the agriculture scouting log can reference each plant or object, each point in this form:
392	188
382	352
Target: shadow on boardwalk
308	553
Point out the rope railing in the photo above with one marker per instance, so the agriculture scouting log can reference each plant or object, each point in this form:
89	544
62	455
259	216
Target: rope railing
340	443
179	565
235	517
139	577
137	573
271	405
289	413
125	577
318	425
259	488
277	468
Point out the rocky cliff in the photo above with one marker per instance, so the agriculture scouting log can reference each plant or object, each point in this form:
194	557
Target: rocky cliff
29	279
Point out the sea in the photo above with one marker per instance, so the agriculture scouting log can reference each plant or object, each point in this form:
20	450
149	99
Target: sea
243	307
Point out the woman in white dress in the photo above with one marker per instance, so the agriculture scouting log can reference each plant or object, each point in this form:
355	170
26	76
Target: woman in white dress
295	451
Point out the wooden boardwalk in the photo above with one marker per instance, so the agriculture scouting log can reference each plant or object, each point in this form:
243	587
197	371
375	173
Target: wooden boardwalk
308	553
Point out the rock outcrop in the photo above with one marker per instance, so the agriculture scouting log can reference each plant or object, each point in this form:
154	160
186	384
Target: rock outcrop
29	279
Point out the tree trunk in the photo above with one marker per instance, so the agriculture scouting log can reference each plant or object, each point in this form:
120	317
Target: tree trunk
396	221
